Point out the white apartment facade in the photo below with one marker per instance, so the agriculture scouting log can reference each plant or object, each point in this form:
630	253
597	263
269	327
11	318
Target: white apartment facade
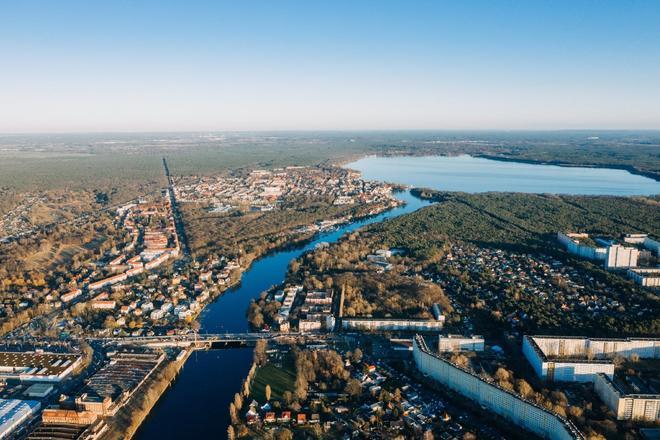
579	359
570	241
638	407
392	324
645	277
618	256
460	343
505	403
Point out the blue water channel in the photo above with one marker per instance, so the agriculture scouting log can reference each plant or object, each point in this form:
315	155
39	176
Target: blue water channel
196	406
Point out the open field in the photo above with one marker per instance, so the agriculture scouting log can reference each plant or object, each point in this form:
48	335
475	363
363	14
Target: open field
280	379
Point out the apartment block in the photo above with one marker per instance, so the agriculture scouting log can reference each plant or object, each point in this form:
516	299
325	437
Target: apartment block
638	407
579	359
528	415
460	343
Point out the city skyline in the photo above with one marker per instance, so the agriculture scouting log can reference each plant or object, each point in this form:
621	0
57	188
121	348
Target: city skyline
78	67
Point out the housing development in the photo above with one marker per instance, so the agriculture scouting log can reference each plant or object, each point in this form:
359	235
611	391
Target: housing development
265	190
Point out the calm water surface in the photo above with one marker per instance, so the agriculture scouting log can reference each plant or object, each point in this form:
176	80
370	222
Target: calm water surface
196	406
473	175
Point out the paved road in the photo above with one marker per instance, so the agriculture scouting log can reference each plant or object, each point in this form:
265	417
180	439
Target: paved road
178	219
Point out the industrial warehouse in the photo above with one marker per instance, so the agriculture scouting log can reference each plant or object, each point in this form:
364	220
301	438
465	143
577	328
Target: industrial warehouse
112	385
14	413
37	366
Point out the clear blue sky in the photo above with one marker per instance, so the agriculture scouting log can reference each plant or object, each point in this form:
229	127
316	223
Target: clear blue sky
251	65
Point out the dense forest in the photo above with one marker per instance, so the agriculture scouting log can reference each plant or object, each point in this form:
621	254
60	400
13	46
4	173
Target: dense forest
517	220
248	235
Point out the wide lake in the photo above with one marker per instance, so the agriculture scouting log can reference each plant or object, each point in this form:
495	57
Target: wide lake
474	175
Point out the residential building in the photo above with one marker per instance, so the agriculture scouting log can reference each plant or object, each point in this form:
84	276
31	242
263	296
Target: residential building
528	415
104	304
618	256
392	324
645	277
460	343
578	359
638	407
572	242
70	295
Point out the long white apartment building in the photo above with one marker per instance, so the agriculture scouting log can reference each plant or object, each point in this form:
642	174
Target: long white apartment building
645	277
614	256
579	359
392	324
572	243
649	243
637	407
511	406
460	343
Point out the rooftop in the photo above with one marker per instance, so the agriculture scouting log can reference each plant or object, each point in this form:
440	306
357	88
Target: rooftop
35	363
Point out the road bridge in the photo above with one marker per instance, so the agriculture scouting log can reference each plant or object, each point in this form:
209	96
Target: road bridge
211	340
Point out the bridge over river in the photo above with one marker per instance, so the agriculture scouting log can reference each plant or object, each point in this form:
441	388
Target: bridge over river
214	340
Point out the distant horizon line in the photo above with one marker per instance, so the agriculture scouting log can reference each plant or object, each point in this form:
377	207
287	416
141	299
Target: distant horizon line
337	130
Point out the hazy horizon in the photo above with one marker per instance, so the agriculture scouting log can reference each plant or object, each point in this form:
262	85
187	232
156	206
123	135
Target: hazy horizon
79	67
429	131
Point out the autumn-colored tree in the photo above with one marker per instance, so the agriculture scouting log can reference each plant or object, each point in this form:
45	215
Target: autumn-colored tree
301	388
260	355
524	389
238	401
353	388
283	434
233	413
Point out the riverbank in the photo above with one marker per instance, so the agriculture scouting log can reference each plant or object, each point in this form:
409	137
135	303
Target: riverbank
130	417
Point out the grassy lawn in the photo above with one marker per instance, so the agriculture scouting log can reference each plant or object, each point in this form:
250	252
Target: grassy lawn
280	380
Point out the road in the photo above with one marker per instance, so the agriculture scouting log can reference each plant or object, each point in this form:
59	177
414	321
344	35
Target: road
178	219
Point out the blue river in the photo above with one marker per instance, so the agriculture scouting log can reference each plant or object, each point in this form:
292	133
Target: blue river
197	404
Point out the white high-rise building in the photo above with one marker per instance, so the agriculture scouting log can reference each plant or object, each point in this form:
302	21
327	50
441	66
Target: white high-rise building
621	256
